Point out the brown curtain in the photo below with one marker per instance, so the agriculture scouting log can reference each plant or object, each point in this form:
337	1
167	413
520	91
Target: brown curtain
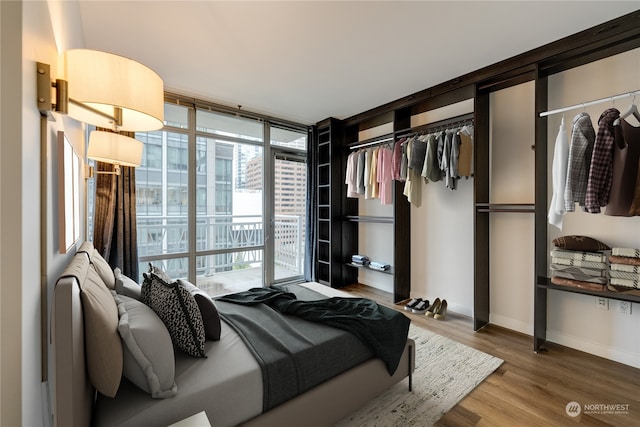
114	231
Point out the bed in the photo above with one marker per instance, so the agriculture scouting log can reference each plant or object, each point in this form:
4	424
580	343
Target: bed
227	385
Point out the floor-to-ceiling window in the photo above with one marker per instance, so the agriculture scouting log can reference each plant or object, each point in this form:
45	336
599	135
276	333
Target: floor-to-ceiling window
202	205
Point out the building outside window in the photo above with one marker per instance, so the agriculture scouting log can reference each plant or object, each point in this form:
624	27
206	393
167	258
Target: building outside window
201	199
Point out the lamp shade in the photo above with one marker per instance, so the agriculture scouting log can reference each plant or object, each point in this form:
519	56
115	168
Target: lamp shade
114	148
104	81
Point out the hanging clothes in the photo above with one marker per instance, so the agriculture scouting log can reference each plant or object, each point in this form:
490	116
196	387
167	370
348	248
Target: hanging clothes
412	185
559	177
396	160
418	153
431	168
384	177
583	137
351	175
367	174
626	155
360	172
454	153
404	160
373	177
600	171
465	160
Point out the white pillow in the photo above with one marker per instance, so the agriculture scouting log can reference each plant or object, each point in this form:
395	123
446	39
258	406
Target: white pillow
126	286
149	361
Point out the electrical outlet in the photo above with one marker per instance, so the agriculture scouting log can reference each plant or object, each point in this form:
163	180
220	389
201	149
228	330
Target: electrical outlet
602	303
624	307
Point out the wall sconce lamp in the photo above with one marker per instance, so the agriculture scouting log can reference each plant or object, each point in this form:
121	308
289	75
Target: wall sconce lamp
110	147
104	90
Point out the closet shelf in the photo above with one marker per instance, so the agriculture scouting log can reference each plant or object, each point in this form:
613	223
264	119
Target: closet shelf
366	267
365	218
506	207
545	282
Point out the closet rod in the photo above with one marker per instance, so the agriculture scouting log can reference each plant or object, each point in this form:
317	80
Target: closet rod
586	104
379	141
450	122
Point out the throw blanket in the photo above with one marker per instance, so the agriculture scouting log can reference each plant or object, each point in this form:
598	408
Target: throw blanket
294	354
382	329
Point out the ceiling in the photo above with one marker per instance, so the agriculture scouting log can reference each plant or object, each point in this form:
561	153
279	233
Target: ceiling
305	61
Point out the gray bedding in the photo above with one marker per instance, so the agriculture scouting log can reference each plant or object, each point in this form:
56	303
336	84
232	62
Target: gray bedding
295	355
230	392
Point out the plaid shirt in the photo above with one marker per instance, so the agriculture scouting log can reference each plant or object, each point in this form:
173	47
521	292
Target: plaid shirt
601	170
582	139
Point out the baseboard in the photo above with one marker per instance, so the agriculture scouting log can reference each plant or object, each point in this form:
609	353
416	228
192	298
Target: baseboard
511	323
597	349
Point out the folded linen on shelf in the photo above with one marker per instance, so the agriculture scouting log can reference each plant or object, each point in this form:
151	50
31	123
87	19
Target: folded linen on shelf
592	272
578	263
635	284
624	275
614	259
623	289
580	273
577	284
360	259
581	277
580	256
376	265
626	252
628	268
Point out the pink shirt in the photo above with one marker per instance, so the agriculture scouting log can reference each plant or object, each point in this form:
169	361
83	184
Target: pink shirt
385	175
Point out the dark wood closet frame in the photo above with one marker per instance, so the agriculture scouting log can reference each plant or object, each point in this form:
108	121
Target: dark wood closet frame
607	39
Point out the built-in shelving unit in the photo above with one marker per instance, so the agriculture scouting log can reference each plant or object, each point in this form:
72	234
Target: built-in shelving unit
610	38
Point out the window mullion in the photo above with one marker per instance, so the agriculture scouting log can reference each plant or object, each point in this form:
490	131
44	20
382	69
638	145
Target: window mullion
192	190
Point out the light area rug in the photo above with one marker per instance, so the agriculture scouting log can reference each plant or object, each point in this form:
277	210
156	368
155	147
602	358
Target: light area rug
445	372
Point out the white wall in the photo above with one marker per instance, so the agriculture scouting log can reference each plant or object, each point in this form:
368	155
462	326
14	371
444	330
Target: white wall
573	320
27	36
512	180
442	233
10	215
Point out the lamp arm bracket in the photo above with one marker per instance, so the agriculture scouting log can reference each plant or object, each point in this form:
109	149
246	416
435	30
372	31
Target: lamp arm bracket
92	172
116	119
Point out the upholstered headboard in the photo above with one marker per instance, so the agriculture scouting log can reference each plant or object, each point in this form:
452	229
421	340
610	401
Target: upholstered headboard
74	395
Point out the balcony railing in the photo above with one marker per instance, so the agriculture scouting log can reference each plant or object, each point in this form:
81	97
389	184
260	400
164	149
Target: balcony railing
162	236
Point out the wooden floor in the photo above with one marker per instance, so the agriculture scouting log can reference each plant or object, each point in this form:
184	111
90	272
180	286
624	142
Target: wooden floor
532	389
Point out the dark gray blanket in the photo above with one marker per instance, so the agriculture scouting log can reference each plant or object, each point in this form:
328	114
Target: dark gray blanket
300	344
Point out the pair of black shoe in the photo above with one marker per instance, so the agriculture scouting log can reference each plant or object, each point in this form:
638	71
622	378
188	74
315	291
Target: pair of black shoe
417	305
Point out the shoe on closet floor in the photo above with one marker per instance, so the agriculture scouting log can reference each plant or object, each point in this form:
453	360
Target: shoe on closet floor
431	311
442	311
421	307
411	304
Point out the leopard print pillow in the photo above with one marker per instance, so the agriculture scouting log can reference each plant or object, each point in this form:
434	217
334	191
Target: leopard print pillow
178	310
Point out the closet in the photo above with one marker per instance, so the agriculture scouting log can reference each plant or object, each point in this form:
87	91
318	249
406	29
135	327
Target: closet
544	68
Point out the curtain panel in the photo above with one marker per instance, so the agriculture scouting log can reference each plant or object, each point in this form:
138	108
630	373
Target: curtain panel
115	228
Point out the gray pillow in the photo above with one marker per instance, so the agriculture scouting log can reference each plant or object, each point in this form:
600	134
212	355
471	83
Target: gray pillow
148	355
208	310
102	342
103	268
126	286
178	310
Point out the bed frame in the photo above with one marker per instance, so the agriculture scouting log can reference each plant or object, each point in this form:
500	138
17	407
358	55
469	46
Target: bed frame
73	397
